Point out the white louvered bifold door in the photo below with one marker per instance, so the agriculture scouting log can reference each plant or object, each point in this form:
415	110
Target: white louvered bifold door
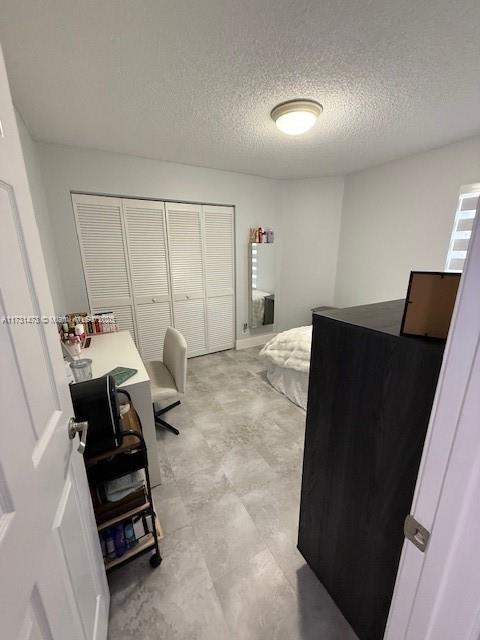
184	225
147	249
104	256
219	276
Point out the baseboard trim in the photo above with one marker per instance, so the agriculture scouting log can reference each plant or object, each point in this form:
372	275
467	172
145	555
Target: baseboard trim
254	341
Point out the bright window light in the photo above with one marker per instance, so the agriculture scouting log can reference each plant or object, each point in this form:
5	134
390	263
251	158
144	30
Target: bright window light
462	228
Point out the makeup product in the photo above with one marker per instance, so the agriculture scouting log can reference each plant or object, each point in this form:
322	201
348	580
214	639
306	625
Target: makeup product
80	331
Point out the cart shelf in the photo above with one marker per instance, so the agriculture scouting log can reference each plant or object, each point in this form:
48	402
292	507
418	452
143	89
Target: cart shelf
124	516
147	543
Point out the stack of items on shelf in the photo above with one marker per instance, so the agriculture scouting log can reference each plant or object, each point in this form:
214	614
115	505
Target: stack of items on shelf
260	235
117	540
79	325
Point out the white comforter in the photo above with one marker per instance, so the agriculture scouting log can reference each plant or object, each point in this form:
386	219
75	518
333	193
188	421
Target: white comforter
290	349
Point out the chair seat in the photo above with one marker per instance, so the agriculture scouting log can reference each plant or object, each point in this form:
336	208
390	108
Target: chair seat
162	384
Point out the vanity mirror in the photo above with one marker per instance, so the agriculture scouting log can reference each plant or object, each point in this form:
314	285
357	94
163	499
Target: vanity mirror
262	284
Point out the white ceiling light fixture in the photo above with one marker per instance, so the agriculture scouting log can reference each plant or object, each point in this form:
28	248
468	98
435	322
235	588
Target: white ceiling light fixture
296	116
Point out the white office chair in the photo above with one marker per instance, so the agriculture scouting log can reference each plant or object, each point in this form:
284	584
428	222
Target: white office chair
168	378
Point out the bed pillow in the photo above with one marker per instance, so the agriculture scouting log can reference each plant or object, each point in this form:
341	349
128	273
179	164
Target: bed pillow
290	349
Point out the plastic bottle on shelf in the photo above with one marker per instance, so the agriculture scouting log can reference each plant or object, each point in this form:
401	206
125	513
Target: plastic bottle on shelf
130	539
109	544
119	540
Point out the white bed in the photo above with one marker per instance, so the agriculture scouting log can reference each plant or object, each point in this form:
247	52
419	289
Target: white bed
287	356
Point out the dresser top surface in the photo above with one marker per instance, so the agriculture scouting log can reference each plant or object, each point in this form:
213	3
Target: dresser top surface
385	317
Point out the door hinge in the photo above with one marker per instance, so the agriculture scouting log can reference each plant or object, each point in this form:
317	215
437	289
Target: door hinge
414	532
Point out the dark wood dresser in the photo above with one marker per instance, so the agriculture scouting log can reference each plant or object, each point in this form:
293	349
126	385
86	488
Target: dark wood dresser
370	396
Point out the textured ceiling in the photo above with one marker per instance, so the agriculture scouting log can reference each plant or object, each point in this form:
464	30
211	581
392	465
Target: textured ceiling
194	81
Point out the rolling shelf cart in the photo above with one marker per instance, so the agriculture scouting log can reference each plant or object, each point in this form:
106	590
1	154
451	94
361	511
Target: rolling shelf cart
129	456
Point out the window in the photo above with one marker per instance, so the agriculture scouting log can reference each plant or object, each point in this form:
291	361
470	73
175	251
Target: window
462	227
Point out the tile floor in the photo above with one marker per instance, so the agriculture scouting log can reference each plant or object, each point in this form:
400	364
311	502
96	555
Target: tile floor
228	506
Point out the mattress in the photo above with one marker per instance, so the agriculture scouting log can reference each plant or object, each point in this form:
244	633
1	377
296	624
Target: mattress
290	382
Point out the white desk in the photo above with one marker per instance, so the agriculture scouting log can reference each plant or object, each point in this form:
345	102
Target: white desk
111	350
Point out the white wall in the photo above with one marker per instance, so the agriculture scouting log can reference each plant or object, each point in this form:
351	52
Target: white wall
68	169
398	217
30	154
337	241
305	216
310	231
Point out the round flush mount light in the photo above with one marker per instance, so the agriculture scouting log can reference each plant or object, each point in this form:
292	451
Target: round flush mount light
296	116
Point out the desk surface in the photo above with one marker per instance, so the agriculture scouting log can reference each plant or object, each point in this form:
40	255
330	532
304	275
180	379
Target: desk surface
111	350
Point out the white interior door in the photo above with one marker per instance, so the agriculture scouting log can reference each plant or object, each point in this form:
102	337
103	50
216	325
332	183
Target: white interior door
185	242
104	255
52	579
148	257
437	593
219	276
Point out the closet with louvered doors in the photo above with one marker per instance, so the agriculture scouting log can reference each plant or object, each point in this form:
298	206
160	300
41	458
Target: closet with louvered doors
187	272
145	232
157	264
101	237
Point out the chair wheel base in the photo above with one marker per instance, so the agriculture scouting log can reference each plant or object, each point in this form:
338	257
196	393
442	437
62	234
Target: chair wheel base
161	423
165	425
155	560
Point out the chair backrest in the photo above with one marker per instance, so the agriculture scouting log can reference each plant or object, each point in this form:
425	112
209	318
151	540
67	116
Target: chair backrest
175	357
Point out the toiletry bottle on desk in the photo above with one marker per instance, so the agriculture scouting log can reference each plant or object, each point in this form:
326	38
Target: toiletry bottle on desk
80	331
75	346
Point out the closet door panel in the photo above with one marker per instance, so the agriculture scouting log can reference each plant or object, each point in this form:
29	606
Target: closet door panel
152	322
99	226
219	250
220	323
186	253
104	256
185	243
147	248
148	255
220	276
190	321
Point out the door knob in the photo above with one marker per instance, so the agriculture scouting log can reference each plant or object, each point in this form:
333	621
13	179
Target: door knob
80	428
